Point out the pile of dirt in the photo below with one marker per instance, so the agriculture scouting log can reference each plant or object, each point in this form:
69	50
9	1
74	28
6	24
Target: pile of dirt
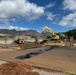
32	45
12	68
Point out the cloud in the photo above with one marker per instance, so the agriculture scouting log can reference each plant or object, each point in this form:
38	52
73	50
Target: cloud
13	19
70	19
47	27
10	27
22	8
14	10
50	16
50	5
69	5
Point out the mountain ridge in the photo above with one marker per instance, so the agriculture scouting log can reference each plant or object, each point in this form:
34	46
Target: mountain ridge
23	32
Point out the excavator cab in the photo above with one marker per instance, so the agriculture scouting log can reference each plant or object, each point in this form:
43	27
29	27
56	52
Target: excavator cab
55	37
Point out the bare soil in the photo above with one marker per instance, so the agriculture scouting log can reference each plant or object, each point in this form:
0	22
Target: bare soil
12	68
61	59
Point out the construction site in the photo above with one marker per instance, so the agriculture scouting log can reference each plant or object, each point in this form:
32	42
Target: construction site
38	56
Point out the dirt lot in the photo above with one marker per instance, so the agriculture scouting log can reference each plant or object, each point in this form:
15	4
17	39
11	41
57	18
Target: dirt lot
60	59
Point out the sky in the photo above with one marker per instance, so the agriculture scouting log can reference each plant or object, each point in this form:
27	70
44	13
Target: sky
59	15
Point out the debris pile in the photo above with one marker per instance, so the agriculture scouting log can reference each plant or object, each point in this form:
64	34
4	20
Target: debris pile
12	68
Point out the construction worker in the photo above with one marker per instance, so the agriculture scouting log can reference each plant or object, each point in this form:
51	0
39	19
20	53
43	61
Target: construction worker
21	43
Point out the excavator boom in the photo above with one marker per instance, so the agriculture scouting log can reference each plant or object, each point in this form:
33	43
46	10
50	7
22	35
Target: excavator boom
51	31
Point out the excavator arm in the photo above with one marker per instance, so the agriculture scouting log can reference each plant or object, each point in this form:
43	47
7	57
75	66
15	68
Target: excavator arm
54	36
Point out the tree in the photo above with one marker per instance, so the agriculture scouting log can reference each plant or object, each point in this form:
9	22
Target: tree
62	35
71	33
35	37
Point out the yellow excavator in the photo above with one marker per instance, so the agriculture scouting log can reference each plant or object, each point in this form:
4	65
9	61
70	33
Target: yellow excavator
54	36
